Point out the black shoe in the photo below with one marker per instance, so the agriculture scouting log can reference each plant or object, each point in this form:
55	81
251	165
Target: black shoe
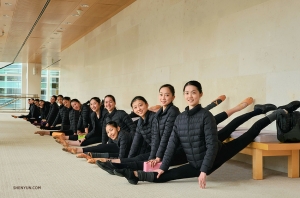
292	106
128	174
265	107
103	166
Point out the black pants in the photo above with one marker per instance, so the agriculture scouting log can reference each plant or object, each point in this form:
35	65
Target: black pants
102	148
226	152
91	140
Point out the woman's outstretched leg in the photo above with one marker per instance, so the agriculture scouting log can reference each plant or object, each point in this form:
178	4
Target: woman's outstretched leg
215	102
233	147
235	123
226	114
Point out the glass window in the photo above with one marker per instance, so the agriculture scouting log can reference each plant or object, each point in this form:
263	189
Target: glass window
2	78
44	85
54	85
44	79
13	78
43	92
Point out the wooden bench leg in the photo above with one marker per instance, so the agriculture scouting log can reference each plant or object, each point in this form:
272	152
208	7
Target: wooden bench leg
257	164
293	164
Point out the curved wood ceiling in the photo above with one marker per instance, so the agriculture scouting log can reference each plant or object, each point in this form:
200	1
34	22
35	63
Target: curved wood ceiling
62	23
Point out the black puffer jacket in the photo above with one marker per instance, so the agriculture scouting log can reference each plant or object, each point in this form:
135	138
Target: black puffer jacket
63	118
196	131
163	123
52	113
97	123
45	110
34	112
85	118
122	119
74	118
142	137
123	141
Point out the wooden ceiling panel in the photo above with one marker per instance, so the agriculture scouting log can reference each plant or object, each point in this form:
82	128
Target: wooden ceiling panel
62	23
28	10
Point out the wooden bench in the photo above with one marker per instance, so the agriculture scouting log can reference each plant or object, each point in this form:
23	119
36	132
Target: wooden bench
258	150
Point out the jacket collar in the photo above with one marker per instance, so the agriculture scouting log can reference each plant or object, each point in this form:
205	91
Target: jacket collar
112	113
193	110
146	120
161	112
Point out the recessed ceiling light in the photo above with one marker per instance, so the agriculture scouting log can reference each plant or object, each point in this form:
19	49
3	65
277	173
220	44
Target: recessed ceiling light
8	4
84	5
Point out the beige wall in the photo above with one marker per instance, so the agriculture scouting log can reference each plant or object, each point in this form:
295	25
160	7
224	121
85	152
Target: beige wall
239	48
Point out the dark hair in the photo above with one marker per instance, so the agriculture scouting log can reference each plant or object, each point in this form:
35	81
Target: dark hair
112	123
75	100
194	83
97	99
41	101
66	98
60	96
138	98
110	96
36	100
31	98
55	97
170	87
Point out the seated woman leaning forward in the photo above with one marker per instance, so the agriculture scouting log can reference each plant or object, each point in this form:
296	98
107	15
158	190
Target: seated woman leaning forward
94	136
113	114
196	131
122	139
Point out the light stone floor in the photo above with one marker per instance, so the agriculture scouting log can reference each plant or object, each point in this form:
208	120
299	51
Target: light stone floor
32	160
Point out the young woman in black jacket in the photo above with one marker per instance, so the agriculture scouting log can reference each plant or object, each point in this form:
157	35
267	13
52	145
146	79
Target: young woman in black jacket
122	139
121	118
195	129
62	117
162	126
94	136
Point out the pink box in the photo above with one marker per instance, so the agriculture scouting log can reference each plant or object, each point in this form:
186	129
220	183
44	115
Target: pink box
147	167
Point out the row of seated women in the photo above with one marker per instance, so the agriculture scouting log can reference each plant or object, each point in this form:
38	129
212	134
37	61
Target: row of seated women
165	138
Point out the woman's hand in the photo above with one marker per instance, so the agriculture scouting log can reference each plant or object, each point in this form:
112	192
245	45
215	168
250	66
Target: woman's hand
153	162
202	180
160	172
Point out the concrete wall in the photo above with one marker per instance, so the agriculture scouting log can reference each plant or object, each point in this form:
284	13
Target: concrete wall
239	48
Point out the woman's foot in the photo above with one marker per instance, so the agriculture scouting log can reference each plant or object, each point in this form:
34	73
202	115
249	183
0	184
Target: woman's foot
292	106
82	155
215	102
42	133
57	135
91	161
70	150
62	141
128	174
248	101
265	107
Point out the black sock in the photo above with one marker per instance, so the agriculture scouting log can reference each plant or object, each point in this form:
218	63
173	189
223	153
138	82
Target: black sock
213	104
273	116
145	176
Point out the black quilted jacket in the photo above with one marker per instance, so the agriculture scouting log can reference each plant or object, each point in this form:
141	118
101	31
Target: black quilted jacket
142	137
97	123
85	118
63	118
123	141
123	120
53	111
196	131
163	123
